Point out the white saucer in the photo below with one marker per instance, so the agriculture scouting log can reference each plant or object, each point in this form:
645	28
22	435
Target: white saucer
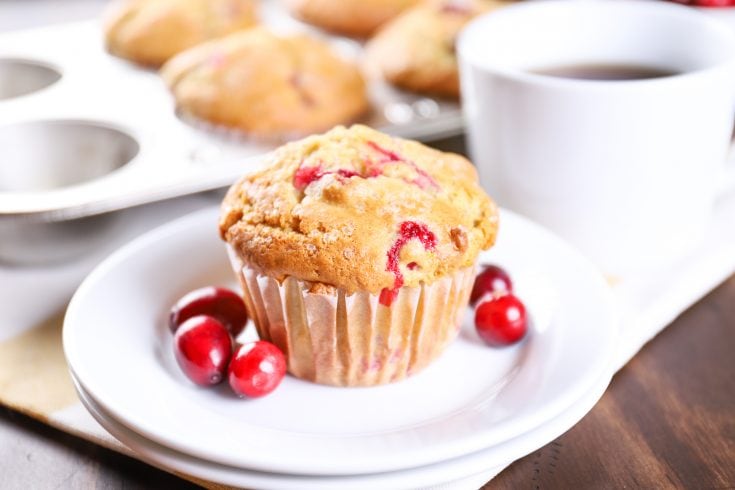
466	472
472	398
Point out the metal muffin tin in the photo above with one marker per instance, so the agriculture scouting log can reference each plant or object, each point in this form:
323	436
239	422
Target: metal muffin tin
83	134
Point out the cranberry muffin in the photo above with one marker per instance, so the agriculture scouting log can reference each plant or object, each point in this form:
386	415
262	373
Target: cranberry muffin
267	85
357	18
356	252
149	32
416	50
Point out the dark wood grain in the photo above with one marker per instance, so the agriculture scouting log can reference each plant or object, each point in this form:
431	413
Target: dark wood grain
667	420
36	456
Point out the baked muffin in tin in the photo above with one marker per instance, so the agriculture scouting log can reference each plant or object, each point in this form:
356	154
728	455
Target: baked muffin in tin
267	85
149	32
416	50
357	18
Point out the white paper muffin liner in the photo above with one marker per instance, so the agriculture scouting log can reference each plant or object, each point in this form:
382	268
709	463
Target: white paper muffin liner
352	340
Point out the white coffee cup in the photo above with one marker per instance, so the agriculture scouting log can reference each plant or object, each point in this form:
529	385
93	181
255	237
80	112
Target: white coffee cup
628	171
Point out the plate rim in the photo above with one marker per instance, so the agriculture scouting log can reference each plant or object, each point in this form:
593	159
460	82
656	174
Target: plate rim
521	446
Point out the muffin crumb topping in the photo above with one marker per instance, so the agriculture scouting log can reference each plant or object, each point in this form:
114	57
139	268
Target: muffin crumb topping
336	209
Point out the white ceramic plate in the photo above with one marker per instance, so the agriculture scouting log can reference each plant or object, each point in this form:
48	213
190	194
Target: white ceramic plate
471	398
467	472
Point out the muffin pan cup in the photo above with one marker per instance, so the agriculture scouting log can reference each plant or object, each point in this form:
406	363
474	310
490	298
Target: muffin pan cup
84	134
20	77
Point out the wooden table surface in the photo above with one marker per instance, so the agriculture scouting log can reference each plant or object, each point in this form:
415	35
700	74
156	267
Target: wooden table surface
666	421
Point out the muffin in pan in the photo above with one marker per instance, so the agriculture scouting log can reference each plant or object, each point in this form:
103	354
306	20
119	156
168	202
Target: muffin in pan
267	85
357	18
149	32
356	252
416	50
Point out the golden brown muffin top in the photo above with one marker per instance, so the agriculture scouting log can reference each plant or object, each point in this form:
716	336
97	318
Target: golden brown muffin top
151	31
359	210
350	17
266	84
416	50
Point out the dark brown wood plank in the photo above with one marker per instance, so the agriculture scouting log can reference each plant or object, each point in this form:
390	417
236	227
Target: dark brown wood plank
36	456
667	420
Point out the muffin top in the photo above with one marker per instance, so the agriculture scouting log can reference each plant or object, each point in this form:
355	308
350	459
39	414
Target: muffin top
151	31
266	84
350	17
359	210
416	50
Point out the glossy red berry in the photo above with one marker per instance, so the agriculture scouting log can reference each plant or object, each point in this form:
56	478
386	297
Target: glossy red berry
713	3
221	303
203	347
492	279
256	369
501	320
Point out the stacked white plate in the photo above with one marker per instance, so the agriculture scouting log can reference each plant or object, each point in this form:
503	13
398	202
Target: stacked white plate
459	421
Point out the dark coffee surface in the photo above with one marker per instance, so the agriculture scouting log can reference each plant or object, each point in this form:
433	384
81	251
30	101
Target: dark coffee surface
591	71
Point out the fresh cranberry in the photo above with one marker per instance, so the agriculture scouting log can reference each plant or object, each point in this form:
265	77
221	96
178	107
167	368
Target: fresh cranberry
492	279
714	3
501	320
223	304
203	348
409	230
707	3
257	368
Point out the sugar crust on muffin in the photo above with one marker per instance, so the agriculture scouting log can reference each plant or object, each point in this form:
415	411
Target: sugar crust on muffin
150	32
355	209
266	84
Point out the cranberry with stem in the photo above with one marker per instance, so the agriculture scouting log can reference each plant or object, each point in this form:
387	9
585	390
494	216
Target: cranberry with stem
203	347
